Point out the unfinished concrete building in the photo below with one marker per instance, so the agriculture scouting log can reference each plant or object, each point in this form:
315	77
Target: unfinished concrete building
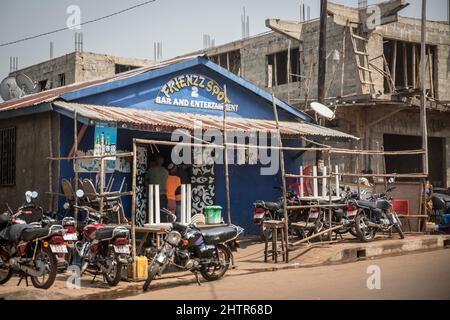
78	67
372	81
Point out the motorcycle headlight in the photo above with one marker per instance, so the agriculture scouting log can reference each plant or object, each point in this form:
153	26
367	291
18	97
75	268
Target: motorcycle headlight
173	237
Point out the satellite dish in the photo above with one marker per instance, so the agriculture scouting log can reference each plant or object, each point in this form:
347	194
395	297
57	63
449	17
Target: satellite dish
10	90
25	83
322	110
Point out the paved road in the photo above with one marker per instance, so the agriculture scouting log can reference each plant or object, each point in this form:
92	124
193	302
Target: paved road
415	276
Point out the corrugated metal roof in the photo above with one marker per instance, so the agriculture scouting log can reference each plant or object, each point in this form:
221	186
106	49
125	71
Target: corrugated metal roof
53	94
162	121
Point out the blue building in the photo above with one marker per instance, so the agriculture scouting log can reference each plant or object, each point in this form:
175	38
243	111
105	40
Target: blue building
151	103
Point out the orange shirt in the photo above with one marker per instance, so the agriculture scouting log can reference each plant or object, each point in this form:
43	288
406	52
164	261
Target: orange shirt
173	182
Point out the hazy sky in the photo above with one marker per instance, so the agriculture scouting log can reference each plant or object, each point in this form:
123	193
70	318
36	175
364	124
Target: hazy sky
179	24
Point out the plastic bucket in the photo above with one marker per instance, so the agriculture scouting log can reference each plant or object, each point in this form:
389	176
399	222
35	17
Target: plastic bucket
213	214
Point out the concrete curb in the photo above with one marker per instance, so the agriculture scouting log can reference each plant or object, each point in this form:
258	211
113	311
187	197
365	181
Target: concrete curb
399	247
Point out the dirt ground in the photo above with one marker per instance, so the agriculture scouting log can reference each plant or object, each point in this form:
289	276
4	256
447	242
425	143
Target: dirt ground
248	260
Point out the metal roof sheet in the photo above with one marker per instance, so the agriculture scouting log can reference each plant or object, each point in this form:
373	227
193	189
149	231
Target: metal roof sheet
164	121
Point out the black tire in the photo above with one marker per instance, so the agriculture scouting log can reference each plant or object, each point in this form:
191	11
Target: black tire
5	275
353	232
52	264
152	272
399	231
210	273
365	234
113	278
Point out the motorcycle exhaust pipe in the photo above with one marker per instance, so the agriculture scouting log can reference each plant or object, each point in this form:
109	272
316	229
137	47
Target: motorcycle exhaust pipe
373	225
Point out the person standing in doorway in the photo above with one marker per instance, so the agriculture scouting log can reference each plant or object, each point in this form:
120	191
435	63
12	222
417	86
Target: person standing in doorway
157	174
174	191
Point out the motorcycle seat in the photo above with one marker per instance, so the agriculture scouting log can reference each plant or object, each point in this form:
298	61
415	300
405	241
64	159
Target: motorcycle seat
272	206
34	233
104	233
219	234
367	204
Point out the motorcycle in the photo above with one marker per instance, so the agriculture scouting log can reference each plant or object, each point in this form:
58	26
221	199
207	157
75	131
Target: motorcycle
376	215
29	250
208	251
265	210
103	248
344	216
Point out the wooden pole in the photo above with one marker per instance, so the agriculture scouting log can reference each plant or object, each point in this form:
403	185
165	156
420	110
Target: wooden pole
75	146
288	71
423	110
394	63
322	51
283	180
343	60
414	66
225	142
50	162
102	173
321	80
405	66
133	208
330	199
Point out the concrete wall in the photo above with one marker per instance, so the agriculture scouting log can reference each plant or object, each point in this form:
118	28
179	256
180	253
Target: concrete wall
49	70
78	67
254	53
32	150
355	120
409	30
92	66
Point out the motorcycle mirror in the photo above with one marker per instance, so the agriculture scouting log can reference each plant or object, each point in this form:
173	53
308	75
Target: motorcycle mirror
34	194
28	195
80	193
66	206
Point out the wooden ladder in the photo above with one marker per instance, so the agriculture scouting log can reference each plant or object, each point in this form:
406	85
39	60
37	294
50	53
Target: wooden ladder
362	63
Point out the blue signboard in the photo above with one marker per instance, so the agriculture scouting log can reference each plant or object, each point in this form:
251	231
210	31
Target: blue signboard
194	91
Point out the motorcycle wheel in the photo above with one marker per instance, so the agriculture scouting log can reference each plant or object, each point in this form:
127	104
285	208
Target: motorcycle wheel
400	231
48	278
365	233
213	273
153	270
353	232
115	274
5	274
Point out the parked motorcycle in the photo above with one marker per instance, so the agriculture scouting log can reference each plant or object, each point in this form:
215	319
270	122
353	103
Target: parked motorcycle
103	249
208	251
265	210
29	250
344	215
376	215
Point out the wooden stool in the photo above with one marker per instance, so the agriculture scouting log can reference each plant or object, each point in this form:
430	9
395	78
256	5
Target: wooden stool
273	226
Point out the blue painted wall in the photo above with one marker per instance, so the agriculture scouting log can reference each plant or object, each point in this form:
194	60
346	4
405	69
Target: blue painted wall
247	185
142	96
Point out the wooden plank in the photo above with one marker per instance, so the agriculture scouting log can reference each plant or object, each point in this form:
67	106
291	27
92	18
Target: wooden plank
394	63
414	65
405	66
359	38
430	71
